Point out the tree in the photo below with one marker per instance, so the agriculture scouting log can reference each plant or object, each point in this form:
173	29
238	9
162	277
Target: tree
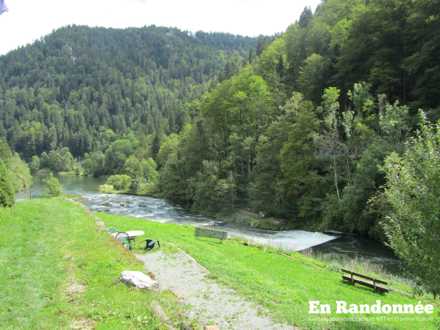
313	77
117	154
234	116
285	181
368	132
212	193
377	47
306	17
413	193
20	174
182	164
272	66
59	160
94	164
143	174
133	168
168	146
14	175
302	186
53	186
173	181
422	65
330	140
35	164
7	193
149	170
121	183
82	87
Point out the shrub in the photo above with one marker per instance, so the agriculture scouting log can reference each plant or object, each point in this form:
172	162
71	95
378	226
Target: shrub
412	191
53	186
7	193
121	183
107	189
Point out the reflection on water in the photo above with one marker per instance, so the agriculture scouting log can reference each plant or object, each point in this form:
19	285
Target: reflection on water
77	185
160	210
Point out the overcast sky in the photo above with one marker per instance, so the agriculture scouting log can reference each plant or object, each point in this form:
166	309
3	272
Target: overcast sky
28	20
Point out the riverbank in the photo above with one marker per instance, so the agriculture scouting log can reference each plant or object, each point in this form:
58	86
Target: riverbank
349	247
79	184
282	283
331	246
58	272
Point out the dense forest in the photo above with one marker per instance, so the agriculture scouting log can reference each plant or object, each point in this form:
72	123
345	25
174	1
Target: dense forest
324	129
320	126
80	86
303	131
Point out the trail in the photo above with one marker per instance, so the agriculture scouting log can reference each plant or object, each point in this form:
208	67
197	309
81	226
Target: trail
209	302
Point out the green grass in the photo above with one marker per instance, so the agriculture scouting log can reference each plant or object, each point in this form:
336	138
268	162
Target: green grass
284	284
48	245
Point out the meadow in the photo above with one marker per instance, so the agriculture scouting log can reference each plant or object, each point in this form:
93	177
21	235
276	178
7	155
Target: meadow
59	270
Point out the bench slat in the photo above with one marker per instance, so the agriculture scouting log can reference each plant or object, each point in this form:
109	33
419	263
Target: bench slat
367	284
363	276
205	232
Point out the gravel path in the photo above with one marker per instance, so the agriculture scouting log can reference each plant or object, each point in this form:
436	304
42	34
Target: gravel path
209	302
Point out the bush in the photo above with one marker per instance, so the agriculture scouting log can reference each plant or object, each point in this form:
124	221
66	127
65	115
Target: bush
59	160
107	189
145	188
412	191
35	164
143	174
53	186
20	174
7	193
120	183
94	164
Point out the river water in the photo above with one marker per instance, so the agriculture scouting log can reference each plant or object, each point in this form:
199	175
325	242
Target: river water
329	247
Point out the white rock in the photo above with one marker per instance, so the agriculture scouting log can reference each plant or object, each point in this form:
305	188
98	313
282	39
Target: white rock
139	280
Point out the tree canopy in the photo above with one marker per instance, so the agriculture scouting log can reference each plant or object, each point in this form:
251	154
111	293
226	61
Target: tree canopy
79	87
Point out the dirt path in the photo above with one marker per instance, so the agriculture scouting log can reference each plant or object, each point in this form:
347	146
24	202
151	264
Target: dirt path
209	303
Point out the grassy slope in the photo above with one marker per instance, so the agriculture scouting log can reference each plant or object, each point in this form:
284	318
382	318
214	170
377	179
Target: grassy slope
284	284
45	246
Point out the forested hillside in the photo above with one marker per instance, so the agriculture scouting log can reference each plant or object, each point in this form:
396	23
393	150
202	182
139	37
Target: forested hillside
303	132
324	129
393	45
82	87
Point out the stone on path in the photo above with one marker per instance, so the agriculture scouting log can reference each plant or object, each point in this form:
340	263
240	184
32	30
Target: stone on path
139	280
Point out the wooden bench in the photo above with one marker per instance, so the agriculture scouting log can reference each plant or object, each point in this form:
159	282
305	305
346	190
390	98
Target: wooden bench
205	232
373	283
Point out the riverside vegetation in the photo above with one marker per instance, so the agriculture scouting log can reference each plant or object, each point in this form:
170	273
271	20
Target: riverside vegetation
58	271
320	126
71	275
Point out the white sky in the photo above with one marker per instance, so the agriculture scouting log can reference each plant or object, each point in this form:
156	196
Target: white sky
28	20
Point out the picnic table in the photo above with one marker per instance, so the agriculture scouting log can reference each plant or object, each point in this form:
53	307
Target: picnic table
130	236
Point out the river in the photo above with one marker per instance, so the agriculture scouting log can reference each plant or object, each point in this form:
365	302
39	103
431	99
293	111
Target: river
329	247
